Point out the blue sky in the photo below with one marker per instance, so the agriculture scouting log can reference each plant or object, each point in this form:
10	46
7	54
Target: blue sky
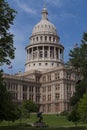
69	17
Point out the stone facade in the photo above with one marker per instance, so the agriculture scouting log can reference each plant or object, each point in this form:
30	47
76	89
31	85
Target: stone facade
46	80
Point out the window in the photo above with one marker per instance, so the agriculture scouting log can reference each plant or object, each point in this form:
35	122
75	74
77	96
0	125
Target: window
44	79
14	95
68	76
37	38
49	77
54	39
44	98
50	39
52	64
31	97
24	88
41	38
57	87
57	75
44	89
45	38
40	54
45	63
49	88
49	97
57	96
37	89
33	39
30	88
39	64
45	54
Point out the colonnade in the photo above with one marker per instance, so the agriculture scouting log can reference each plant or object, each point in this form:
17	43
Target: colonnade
44	52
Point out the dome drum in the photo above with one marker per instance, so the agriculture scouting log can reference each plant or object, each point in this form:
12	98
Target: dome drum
44	39
43	65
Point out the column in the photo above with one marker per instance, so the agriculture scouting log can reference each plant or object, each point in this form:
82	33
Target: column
28	93
49	52
37	52
34	94
43	52
54	52
32	53
59	54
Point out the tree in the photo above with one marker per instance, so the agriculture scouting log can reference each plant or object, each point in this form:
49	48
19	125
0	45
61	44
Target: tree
80	89
12	112
29	106
82	108
7	49
8	110
78	59
74	116
4	99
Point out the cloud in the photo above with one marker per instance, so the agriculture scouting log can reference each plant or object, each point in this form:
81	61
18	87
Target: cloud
67	16
25	7
57	3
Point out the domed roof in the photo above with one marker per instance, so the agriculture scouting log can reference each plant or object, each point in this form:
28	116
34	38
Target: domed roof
44	26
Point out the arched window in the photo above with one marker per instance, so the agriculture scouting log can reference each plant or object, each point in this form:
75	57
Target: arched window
45	38
50	39
37	38
54	39
41	38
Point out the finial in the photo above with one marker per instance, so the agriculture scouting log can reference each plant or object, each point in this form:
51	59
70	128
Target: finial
44	12
44	4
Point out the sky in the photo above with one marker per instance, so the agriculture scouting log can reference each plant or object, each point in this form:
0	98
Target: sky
69	17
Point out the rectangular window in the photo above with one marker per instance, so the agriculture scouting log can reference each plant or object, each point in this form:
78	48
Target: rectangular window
44	98
49	77
49	97
24	88
45	54
49	88
44	89
57	75
57	96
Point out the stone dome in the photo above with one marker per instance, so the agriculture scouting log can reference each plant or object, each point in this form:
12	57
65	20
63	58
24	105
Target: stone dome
44	26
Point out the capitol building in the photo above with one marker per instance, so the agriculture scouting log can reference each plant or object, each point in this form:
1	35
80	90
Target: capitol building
46	80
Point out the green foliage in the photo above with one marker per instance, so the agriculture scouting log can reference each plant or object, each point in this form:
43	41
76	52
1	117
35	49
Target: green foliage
78	56
8	110
29	106
78	59
4	98
80	88
74	116
82	108
12	112
7	16
64	113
